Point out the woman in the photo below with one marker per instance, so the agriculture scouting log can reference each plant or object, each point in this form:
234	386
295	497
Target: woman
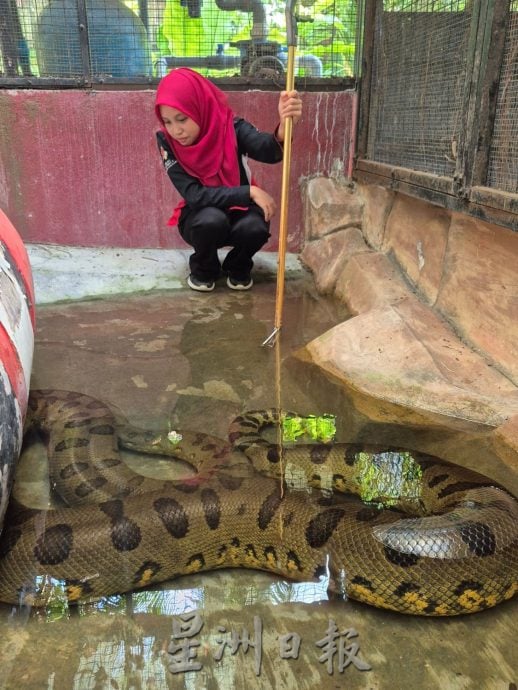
204	149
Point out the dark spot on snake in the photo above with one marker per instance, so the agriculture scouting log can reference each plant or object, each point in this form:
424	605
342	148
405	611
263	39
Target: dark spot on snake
431	607
242	509
270	554
78	423
173	516
350	453
458	486
325	499
108	462
245	421
362	582
71	404
466	585
230	483
244	439
479	538
501	505
293	561
113	509
86	488
318	453
268	509
185	487
235	542
125	533
406	588
102	430
288	519
320	571
250	551
209	446
273	455
222	551
438	479
9	540
367	514
321	527
403	560
73	469
146	572
54	545
68	443
211	507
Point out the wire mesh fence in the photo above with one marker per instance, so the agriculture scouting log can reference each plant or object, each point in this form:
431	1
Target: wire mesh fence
139	40
435	67
503	159
418	79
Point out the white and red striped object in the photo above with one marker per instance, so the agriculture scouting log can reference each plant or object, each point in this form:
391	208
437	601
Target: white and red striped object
16	350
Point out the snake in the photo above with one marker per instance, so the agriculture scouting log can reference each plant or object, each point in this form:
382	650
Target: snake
431	538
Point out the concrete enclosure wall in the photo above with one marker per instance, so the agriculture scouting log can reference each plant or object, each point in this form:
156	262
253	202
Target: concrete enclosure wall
81	168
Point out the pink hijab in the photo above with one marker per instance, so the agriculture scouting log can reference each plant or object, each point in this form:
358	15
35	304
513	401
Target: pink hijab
213	158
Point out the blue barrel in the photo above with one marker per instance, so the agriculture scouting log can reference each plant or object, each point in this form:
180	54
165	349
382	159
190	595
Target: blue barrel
118	40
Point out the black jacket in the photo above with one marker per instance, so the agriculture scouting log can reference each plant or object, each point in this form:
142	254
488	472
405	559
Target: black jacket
260	146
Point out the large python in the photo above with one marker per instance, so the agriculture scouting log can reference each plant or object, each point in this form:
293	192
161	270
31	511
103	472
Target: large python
449	546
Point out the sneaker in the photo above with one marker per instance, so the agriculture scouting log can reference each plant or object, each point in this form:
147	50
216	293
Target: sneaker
200	285
235	284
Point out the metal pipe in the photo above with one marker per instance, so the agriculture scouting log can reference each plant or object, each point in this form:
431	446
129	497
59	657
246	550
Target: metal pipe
259	26
210	62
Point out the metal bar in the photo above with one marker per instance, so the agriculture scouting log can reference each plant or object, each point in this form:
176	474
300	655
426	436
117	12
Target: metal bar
489	92
396	173
84	41
365	83
471	87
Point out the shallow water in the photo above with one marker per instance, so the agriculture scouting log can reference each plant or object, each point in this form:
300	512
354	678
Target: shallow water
182	360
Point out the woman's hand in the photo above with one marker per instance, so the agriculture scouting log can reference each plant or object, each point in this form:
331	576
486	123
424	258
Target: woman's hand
264	201
290	105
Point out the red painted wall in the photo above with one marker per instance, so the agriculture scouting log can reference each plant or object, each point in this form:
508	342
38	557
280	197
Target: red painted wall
82	168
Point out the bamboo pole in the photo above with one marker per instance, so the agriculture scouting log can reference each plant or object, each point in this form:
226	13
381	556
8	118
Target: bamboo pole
286	165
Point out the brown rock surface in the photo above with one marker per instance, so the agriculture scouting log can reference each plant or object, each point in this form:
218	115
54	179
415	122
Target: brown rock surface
417	235
329	206
328	257
433	339
404	355
479	290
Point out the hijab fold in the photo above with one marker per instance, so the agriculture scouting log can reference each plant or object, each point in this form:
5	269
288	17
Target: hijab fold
213	157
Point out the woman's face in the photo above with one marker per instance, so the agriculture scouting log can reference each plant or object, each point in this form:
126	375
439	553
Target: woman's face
179	126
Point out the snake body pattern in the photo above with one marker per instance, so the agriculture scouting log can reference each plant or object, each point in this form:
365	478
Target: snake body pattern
450	546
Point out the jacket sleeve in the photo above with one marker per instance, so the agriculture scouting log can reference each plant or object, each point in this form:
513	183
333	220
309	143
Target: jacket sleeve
260	146
195	194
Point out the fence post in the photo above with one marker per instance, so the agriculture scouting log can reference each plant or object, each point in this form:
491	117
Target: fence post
489	91
84	41
484	61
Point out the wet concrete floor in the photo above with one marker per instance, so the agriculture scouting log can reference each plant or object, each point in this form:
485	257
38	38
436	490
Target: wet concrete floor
178	360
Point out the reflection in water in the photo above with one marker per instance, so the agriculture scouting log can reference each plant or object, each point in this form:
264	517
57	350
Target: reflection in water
196	364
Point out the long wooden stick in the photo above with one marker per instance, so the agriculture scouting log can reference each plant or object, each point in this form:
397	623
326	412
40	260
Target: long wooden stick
286	165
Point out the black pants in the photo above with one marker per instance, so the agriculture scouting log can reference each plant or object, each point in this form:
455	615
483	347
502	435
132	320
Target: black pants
209	229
